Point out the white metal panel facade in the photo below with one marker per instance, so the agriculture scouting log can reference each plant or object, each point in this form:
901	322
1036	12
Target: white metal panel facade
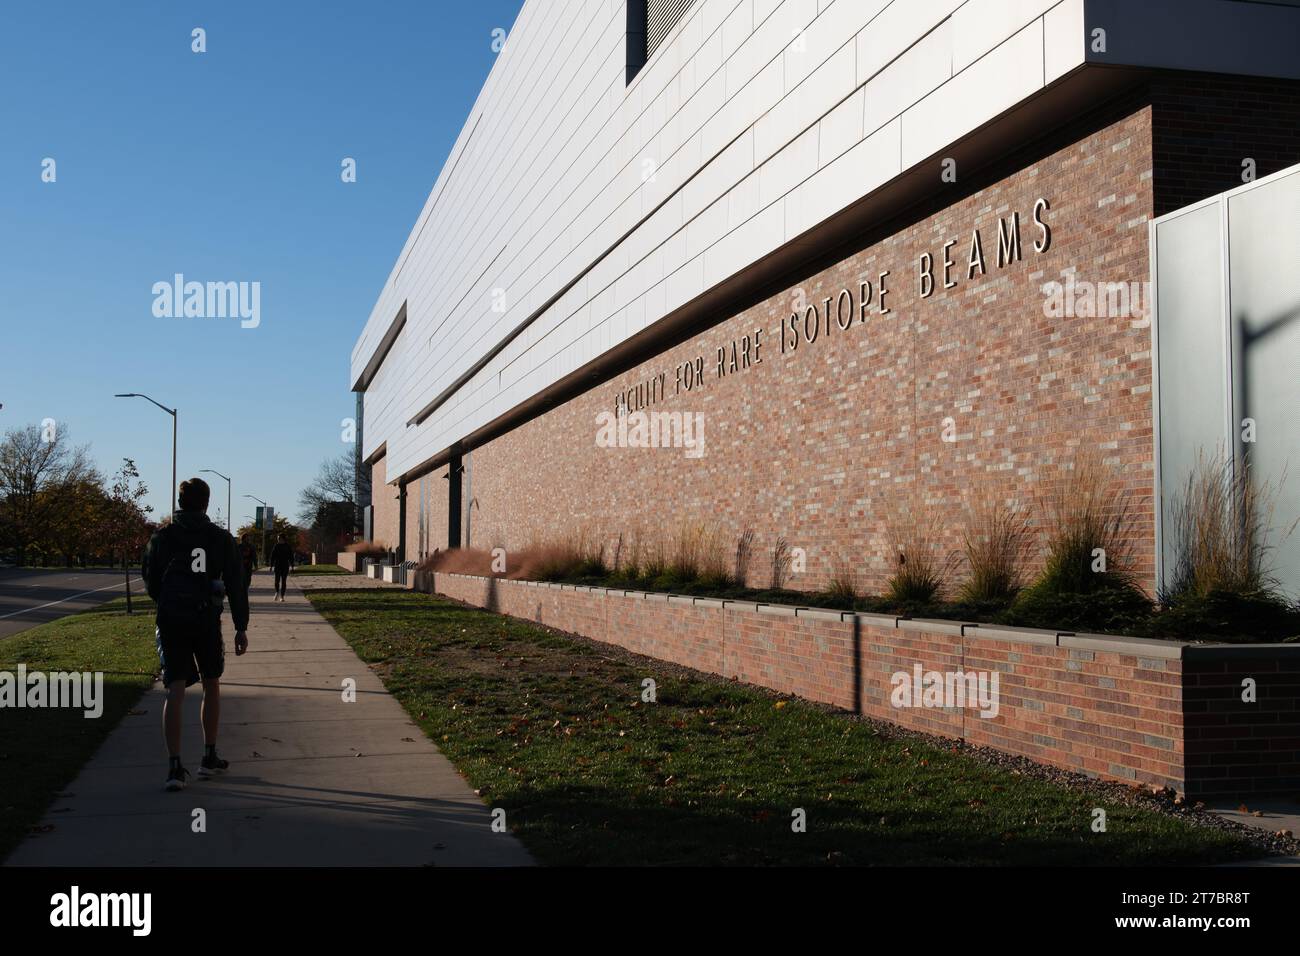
754	121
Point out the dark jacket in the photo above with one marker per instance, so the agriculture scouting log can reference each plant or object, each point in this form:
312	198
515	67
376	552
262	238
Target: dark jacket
248	554
281	556
223	560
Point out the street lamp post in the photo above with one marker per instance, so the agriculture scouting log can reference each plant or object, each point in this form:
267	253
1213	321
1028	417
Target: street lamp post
210	471
264	507
172	413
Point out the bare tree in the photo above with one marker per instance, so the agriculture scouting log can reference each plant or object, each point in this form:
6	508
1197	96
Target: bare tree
336	483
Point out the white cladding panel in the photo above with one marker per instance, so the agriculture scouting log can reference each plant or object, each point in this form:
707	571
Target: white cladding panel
754	121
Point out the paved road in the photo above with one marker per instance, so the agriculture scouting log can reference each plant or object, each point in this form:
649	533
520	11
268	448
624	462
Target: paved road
28	598
314	780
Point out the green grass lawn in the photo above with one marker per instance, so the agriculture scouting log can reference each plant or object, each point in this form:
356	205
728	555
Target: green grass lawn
41	750
553	730
320	569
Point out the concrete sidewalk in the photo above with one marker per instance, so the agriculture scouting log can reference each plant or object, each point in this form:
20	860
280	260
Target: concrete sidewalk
313	781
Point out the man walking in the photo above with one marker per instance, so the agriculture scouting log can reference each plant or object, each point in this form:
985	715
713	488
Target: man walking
248	555
188	566
281	562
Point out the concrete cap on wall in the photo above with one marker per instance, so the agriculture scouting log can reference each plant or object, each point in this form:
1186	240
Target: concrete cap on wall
878	620
1152	648
824	614
931	625
1023	635
1217	652
1109	644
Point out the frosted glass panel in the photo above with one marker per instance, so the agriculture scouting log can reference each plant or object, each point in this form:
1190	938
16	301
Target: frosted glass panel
1264	242
1193	385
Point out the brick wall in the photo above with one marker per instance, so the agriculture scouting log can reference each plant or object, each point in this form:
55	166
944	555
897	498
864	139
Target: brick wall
1205	125
427	496
1240	746
831	445
824	444
387	509
1140	711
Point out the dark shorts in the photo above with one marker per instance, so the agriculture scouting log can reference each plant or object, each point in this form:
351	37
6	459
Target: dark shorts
190	654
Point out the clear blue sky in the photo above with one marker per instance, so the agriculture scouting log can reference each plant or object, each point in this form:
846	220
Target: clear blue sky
223	166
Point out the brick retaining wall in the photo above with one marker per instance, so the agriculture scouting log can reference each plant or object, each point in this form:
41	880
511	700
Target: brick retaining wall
1141	711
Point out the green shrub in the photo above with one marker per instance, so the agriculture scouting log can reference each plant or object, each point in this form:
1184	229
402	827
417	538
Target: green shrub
1232	616
1117	609
1088	547
669	581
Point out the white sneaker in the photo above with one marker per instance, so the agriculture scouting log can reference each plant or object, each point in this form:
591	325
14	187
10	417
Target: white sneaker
176	779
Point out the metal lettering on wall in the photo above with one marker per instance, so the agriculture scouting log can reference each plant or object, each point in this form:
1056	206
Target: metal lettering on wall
823	316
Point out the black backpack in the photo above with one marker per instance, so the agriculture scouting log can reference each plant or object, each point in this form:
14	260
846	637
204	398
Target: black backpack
185	596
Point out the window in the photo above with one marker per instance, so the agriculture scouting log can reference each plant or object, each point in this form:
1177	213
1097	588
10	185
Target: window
648	24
